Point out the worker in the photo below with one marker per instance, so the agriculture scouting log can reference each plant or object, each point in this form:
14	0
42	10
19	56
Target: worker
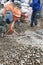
11	14
36	8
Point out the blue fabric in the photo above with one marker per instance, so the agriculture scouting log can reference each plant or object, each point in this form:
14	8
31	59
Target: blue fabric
35	5
9	16
34	18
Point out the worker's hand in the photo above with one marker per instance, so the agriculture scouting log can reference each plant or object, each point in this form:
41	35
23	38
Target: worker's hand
16	32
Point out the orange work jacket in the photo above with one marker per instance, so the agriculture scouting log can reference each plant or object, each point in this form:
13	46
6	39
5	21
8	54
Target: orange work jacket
15	11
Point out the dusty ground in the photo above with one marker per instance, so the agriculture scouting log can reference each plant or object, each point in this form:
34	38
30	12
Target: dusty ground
25	49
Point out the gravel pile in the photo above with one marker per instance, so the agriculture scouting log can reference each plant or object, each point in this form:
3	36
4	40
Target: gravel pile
17	54
26	49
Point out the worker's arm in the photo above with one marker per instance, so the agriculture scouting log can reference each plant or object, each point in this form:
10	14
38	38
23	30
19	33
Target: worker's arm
3	11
